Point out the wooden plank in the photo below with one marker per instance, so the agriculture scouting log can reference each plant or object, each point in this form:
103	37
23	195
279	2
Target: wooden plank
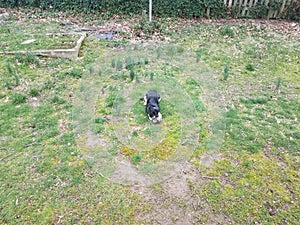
71	53
241	7
245	5
266	2
270	14
241	3
235	3
282	6
208	12
250	3
245	10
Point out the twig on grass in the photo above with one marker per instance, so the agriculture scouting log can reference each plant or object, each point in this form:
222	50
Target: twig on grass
14	153
209	177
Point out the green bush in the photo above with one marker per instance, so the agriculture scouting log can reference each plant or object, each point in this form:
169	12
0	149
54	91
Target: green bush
164	8
293	11
161	8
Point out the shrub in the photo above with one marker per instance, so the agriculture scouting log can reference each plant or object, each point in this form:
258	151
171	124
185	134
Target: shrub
161	8
293	11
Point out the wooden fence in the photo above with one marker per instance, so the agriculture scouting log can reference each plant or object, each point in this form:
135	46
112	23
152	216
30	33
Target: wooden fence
243	7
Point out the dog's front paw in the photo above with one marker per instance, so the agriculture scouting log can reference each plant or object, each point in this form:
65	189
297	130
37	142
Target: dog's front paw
157	119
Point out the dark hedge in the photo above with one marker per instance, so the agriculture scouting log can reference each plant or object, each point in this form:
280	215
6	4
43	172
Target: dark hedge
161	8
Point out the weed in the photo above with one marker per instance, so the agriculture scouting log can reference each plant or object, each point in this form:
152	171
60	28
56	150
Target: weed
199	53
67	138
259	100
278	83
250	67
34	92
17	80
192	83
56	99
74	72
113	97
135	133
115	76
7	83
180	49
113	63
91	69
136	158
137	78
199	106
48	84
100	120
119	64
227	31
11	74
151	75
124	76
18	98
28	58
226	71
99	129
129	63
131	75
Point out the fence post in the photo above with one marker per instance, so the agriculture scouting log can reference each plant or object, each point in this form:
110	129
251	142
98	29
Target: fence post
150	10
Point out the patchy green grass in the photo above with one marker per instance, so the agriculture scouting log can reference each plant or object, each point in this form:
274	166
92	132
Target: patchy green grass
255	188
256	181
21	38
47	176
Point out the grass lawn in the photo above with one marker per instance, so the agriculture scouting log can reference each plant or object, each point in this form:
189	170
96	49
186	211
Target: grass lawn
77	148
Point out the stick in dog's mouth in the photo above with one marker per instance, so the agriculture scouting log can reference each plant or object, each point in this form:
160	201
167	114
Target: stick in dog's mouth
151	101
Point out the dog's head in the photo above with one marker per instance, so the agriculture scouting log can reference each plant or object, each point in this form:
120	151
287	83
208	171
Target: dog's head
154	113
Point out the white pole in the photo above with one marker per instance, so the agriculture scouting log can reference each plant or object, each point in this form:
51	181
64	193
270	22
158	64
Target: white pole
150	10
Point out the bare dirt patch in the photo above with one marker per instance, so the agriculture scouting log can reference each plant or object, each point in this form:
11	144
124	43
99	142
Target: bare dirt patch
174	202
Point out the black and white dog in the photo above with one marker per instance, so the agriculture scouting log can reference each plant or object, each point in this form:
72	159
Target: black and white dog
151	100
